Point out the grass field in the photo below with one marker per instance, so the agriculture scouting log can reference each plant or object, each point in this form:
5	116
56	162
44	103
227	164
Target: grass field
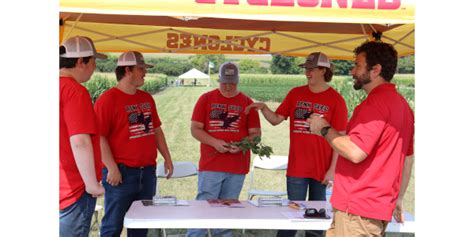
175	106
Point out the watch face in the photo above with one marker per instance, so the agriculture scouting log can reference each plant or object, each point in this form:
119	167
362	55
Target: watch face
325	131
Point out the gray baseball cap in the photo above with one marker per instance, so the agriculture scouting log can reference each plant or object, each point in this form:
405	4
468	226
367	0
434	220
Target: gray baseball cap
132	58
229	73
80	47
317	59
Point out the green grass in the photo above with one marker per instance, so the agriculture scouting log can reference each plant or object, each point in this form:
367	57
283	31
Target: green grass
175	106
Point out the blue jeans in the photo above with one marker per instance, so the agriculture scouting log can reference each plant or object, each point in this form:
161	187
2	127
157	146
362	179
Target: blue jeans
217	185
297	189
75	220
137	184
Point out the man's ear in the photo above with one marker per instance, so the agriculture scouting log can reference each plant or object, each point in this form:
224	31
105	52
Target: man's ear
377	70
80	62
127	70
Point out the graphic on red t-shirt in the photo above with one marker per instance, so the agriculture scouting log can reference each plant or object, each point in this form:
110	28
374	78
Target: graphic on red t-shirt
303	110
140	120
224	118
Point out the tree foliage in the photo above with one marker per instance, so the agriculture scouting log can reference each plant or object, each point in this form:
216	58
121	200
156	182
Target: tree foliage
285	65
289	65
169	66
200	61
251	66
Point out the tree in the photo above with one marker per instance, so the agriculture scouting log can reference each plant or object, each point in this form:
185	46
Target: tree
200	61
285	65
251	66
169	66
342	67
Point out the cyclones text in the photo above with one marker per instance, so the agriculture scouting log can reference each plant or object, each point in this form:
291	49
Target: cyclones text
356	4
210	42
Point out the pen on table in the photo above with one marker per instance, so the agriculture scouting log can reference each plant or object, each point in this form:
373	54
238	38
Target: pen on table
298	206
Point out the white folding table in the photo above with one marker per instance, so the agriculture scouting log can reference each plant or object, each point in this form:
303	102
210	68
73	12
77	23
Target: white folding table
199	214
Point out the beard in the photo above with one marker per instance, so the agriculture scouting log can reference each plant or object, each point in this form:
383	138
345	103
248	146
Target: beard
361	80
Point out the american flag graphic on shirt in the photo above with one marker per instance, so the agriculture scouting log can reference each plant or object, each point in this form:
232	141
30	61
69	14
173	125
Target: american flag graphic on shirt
140	122
224	119
303	111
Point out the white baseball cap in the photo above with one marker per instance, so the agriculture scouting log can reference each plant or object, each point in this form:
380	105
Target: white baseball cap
132	58
80	47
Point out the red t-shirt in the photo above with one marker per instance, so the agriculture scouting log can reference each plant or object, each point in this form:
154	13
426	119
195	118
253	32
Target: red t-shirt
76	116
225	118
128	122
310	155
382	126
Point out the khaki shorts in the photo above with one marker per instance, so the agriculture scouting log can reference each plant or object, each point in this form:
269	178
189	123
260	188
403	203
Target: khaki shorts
349	225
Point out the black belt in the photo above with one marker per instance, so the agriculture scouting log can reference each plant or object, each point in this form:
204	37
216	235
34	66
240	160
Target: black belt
136	168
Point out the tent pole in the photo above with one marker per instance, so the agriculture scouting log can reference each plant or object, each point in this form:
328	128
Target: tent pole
209	74
61	31
399	41
126	40
317	44
74	25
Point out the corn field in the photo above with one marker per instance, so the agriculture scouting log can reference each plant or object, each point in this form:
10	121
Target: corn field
101	82
275	87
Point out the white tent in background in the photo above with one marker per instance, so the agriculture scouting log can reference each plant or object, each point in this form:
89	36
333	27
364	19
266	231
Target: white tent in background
194	75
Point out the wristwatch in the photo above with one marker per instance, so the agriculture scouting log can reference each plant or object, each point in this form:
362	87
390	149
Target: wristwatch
324	131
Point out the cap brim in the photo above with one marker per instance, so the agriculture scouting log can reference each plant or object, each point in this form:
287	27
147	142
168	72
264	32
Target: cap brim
100	56
231	81
304	65
145	65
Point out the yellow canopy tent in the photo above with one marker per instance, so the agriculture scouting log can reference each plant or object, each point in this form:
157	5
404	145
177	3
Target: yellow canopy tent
287	27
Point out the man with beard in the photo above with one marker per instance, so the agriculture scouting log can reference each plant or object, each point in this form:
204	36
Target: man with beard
374	167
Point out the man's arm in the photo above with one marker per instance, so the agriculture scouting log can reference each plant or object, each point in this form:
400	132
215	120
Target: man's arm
342	144
164	151
83	152
198	132
114	177
406	175
329	177
269	115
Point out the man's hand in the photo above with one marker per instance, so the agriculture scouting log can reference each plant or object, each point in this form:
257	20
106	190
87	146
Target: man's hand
234	149
329	178
96	189
169	168
221	146
398	212
114	177
256	105
316	123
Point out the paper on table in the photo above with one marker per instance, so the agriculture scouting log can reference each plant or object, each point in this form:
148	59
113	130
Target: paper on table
255	203
296	216
231	203
182	203
178	203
